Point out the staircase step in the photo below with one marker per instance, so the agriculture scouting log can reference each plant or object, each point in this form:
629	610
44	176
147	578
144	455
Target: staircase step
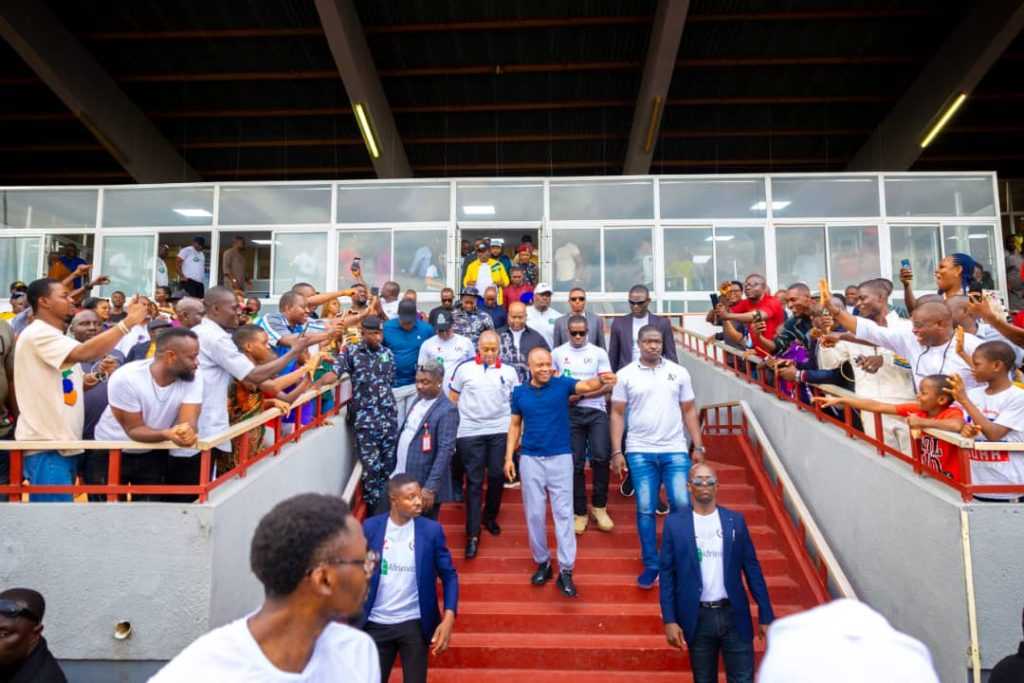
441	675
622	512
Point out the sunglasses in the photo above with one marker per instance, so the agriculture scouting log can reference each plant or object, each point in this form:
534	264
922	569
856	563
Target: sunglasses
639	303
577	333
368	563
577	298
704	481
13	610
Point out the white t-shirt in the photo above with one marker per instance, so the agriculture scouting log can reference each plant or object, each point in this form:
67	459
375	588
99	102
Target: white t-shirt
484	279
412	425
161	273
543	322
133	389
193	263
136	335
230	654
565	261
397	597
637	324
390	308
48	388
219	362
1000	467
449	353
924	360
485	397
582	364
710	557
652	397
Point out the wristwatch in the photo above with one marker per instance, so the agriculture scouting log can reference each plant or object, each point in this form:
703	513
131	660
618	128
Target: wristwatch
700	448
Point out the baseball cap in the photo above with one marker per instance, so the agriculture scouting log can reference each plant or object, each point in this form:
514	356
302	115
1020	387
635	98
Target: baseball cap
407	311
442	322
523	247
470	291
371	322
483	244
497	242
542	288
18	285
157	323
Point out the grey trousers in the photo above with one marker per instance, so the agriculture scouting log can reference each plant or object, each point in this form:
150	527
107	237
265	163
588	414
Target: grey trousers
544	477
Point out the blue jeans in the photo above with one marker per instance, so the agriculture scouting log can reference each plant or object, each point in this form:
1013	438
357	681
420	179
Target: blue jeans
649	471
50	468
716	633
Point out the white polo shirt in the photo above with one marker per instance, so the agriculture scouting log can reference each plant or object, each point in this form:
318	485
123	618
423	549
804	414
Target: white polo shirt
448	353
193	263
219	362
582	364
543	323
652	397
485	397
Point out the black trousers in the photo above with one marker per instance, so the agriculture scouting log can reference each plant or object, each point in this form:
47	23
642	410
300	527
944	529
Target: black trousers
589	427
480	455
193	288
183	471
144	469
405	639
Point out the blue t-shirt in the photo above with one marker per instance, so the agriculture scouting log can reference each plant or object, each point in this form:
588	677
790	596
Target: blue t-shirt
545	413
406	348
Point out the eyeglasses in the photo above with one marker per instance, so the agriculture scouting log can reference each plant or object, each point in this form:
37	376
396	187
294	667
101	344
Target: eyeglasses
369	562
704	481
577	333
13	610
639	303
577	298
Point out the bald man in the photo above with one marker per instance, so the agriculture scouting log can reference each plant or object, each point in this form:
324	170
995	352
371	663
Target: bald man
518	340
190	311
929	346
540	415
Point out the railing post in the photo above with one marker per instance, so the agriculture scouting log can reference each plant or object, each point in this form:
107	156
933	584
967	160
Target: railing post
879	434
915	450
113	473
204	475
963	454
17	476
275	425
243	454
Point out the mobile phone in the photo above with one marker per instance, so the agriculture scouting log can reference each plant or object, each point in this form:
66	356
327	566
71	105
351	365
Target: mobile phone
714	300
374	291
905	263
758	316
100	376
357	265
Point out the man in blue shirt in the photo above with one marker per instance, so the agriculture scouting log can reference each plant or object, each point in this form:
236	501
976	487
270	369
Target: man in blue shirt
540	415
404	336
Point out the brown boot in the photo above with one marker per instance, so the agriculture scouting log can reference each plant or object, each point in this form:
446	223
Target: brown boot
604	522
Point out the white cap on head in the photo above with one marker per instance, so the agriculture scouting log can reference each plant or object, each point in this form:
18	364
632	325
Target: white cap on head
844	641
542	288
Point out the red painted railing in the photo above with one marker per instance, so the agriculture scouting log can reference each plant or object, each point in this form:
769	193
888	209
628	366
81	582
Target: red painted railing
115	490
748	367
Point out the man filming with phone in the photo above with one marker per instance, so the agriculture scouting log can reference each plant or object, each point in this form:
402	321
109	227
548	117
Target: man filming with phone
759	306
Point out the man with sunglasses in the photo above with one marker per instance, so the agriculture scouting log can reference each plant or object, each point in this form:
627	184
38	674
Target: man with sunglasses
578	306
310	554
24	655
623	347
704	550
447	306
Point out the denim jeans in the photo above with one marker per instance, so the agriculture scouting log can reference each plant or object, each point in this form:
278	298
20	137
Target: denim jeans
715	633
649	471
50	468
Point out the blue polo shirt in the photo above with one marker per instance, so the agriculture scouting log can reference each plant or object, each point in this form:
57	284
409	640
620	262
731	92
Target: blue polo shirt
405	345
545	413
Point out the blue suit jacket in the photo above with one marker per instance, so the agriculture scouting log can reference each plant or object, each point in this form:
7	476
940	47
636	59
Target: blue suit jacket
433	561
680	579
433	469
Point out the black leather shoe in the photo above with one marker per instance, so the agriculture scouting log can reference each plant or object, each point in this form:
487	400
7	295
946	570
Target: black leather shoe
565	584
493	527
472	547
542	575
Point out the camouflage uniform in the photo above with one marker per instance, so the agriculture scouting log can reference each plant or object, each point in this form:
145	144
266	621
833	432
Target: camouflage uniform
374	415
471	325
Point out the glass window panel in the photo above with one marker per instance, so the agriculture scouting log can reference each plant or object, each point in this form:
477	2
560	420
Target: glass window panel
607	308
739	252
299	257
919	244
420	259
628	259
939	196
19	259
576	259
158	207
853	255
689	260
129	262
477	201
824	197
977	241
601	200
398	203
373	247
742	198
48	208
800	255
275	204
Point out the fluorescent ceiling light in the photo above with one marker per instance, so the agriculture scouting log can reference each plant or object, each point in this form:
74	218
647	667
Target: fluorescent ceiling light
262	242
194	213
719	238
363	120
701	259
977	236
943	120
776	206
478	209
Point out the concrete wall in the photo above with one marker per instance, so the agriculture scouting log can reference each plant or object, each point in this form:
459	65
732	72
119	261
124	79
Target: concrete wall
896	535
174	571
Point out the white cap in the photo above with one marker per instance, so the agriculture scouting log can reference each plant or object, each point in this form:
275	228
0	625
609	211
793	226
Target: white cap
542	288
844	641
497	242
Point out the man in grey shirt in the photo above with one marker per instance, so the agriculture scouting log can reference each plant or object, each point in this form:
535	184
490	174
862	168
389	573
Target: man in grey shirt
578	306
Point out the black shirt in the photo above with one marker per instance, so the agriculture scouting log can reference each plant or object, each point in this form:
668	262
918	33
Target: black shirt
1010	669
40	667
432	318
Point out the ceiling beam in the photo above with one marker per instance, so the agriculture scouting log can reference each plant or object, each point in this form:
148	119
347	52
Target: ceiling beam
963	60
88	91
667	31
352	56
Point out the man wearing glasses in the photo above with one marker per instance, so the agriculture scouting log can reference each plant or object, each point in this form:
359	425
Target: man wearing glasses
623	348
578	306
310	554
24	655
704	549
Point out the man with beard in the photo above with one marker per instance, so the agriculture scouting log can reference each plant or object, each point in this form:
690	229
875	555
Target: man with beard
48	381
155	400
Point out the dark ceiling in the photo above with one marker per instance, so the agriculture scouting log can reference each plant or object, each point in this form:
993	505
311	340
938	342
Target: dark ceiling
249	90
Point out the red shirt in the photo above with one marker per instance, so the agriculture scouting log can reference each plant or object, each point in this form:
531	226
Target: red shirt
936	455
771	310
512	293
